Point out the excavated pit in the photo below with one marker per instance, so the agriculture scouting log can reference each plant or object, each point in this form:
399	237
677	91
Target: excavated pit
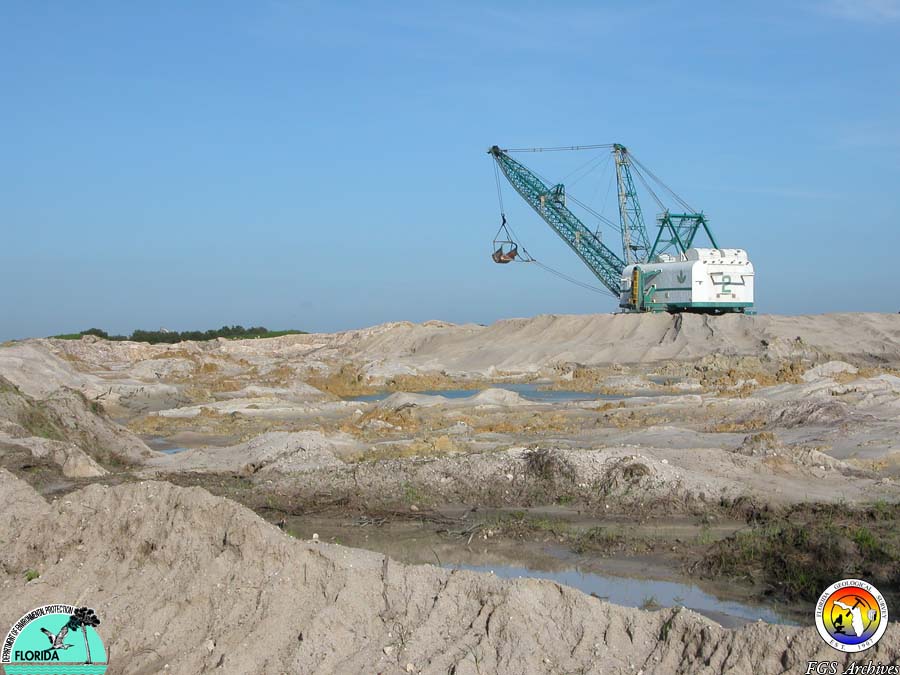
621	442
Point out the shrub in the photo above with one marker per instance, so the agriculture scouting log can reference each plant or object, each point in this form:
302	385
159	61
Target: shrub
549	465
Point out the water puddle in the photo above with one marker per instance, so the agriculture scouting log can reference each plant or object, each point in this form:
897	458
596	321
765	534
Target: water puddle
533	392
649	583
187	440
644	593
528	390
161	444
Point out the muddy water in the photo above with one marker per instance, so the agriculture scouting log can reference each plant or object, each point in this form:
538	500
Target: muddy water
161	444
644	592
185	441
633	581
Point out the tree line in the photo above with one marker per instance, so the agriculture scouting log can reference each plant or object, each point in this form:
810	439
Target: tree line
155	336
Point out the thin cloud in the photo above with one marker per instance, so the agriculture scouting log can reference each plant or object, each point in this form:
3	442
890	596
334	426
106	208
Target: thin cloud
794	193
870	138
876	11
442	28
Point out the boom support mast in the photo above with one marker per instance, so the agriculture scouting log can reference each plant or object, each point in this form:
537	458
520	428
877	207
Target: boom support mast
635	243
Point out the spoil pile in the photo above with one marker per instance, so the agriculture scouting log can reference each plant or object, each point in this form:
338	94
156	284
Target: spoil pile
187	582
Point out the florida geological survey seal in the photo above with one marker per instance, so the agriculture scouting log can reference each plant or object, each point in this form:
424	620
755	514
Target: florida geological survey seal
851	615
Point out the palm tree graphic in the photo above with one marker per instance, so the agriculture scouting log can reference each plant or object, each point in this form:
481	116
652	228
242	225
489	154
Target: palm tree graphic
83	618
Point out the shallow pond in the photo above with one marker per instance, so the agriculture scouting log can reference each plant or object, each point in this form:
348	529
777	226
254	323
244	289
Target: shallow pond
161	444
650	583
528	390
644	593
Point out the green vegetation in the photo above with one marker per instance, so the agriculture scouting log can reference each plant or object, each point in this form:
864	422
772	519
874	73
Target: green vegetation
705	537
171	337
520	525
412	495
870	546
651	604
797	552
39	421
667	625
598	539
31	575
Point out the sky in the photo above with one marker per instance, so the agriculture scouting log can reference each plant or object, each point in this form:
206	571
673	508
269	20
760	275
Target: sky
323	166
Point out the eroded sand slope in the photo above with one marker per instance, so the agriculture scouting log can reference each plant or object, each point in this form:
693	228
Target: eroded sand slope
682	417
188	583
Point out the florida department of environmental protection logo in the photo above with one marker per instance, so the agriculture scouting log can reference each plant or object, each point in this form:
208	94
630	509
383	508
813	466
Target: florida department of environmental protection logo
851	615
55	640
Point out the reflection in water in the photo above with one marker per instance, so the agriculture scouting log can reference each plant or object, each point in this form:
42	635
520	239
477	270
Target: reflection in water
529	391
415	542
160	444
638	592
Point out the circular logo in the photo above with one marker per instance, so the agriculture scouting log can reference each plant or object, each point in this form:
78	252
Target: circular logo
55	640
851	615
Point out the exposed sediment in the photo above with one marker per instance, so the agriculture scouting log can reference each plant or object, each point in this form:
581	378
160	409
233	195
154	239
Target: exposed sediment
187	582
695	418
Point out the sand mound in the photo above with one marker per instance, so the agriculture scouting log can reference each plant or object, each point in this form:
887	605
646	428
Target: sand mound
812	412
102	353
528	345
66	415
498	397
275	451
38	372
829	369
403	399
187	582
486	397
766	444
297	391
88	426
73	461
152	369
514	346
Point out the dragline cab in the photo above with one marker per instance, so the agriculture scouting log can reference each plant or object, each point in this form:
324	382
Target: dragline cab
714	280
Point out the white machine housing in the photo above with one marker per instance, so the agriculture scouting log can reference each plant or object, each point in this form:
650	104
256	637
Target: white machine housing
712	280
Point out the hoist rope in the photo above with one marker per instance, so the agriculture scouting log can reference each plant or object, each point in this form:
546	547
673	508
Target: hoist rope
499	191
525	256
609	185
644	182
571	280
582	171
598	216
652	175
587	167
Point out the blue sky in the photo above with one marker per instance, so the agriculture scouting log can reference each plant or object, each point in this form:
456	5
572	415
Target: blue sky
321	165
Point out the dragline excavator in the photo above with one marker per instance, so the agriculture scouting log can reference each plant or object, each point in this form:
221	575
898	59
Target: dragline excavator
648	274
